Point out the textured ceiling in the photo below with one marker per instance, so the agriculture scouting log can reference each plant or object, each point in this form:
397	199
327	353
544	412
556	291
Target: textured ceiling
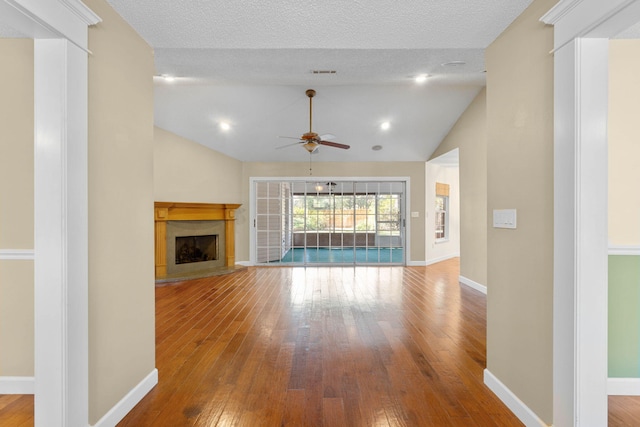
249	62
332	24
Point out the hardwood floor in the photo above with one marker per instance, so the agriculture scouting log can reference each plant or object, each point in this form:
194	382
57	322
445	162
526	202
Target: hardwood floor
366	346
16	410
624	411
325	346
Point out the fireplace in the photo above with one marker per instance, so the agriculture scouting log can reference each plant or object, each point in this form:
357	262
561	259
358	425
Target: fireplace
195	245
196	249
193	236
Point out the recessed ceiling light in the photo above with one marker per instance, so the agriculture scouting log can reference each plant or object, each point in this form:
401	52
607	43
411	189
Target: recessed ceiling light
385	125
376	147
421	78
225	126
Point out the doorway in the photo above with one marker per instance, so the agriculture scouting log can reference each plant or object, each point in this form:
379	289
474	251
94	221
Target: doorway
326	221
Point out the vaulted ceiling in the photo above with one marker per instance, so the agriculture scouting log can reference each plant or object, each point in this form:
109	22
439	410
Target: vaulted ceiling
248	64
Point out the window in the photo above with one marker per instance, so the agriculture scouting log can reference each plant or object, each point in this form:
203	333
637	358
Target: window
389	218
344	213
442	211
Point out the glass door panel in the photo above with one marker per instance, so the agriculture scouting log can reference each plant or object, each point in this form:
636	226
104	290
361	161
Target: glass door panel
336	222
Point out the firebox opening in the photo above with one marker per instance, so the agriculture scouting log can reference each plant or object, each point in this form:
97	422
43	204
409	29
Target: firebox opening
196	248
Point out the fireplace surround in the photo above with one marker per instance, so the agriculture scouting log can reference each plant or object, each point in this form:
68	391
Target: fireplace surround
174	219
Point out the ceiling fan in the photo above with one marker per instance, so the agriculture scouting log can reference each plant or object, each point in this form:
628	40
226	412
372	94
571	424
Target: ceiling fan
311	140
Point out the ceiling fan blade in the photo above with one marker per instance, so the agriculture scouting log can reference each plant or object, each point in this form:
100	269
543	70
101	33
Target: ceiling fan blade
289	137
327	136
334	144
289	145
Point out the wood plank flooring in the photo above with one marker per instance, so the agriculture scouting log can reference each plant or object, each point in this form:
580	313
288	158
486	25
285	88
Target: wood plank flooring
365	346
321	346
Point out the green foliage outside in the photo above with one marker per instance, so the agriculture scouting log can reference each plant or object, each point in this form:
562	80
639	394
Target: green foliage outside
338	213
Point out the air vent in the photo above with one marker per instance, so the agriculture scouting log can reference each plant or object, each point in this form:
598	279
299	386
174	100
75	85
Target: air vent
323	71
454	64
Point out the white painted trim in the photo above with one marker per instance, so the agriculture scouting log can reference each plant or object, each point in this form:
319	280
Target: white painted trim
520	410
86	15
575	19
61	234
580	233
623	386
559	11
406	218
580	201
62	19
60	33
624	250
416	263
128	402
472	284
13	254
442	258
245	263
17	385
407	205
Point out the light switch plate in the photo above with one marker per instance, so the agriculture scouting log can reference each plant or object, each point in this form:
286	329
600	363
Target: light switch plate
504	218
415	214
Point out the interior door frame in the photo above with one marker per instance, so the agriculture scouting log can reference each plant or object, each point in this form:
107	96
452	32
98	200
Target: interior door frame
582	29
59	29
406	206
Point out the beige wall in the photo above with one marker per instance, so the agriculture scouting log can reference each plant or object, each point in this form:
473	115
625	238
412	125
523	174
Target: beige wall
520	176
469	135
186	171
414	170
16	206
624	142
121	261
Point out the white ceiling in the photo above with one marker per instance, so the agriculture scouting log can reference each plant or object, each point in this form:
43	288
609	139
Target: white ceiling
250	62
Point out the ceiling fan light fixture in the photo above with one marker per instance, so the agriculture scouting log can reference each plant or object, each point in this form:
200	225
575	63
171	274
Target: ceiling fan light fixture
310	147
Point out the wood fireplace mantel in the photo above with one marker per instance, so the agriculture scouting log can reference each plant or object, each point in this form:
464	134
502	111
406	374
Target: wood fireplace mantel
173	211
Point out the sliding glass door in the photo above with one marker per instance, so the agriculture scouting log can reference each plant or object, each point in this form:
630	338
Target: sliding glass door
329	222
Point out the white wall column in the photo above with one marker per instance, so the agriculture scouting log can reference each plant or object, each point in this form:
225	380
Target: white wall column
61	230
580	260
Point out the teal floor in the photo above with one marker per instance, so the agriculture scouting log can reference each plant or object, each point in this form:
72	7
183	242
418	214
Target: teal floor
344	255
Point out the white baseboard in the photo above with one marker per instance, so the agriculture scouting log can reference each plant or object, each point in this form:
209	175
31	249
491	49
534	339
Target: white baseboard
472	284
416	264
520	410
17	385
126	404
245	263
623	386
442	258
